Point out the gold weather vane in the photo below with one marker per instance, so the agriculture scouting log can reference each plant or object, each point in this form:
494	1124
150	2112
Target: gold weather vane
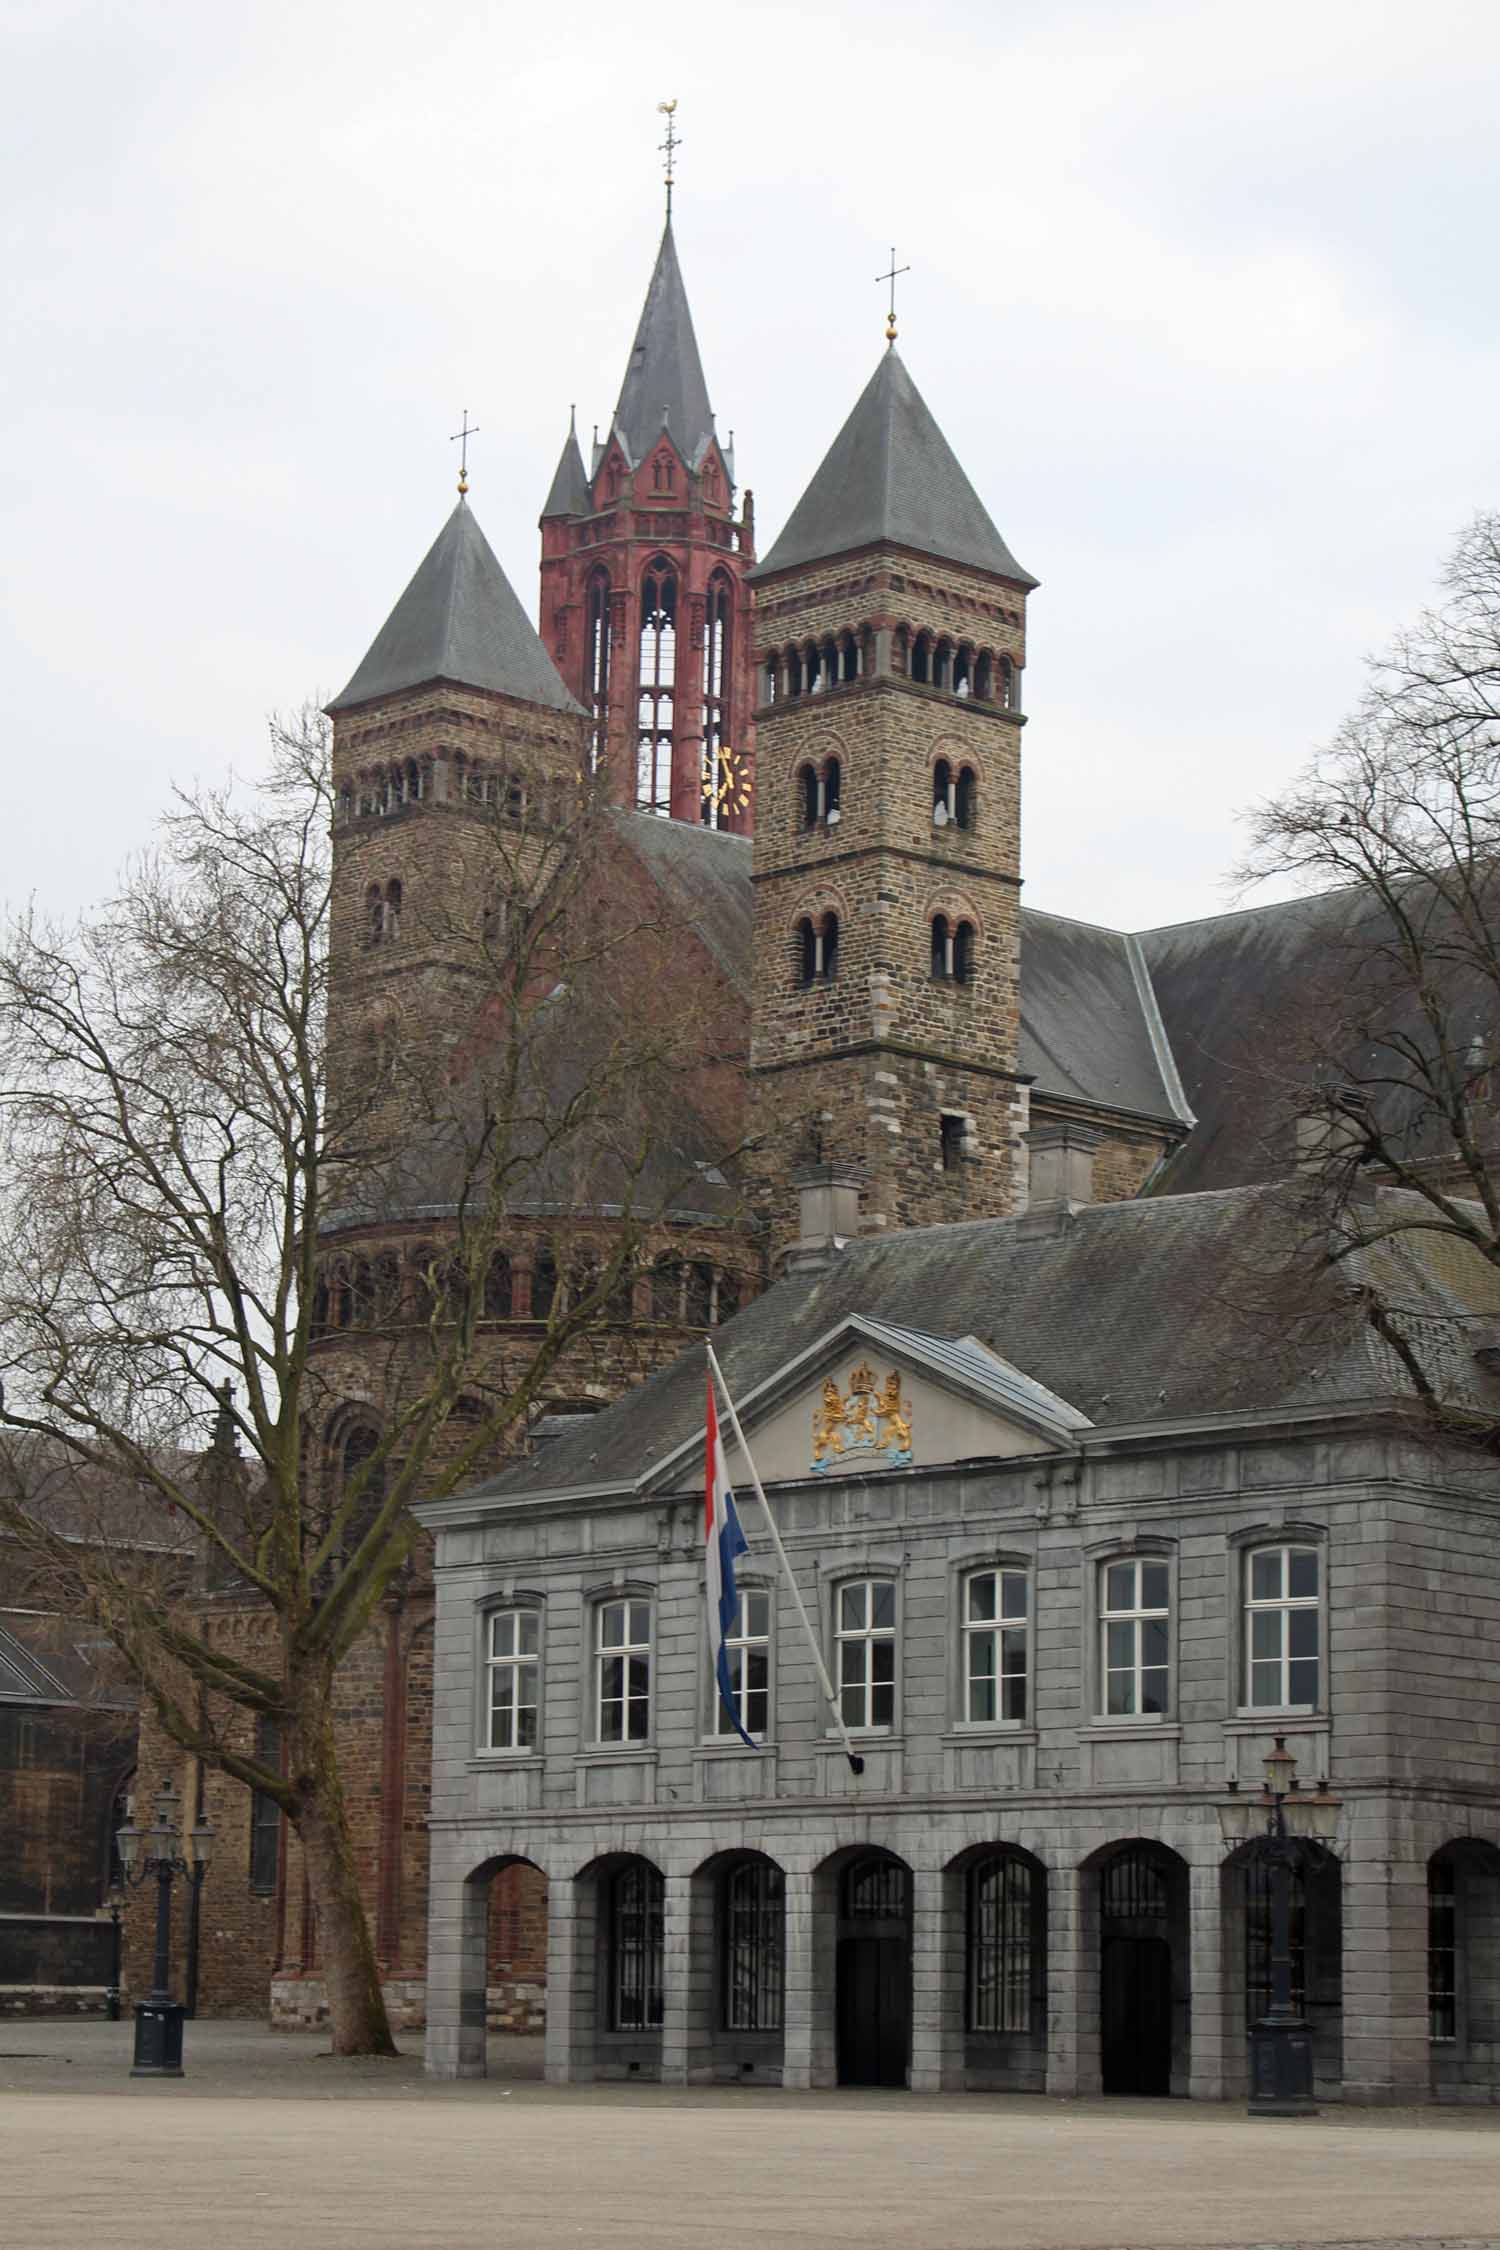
670	146
890	318
462	437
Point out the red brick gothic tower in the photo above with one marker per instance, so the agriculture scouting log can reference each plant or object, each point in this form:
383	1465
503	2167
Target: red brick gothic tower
644	607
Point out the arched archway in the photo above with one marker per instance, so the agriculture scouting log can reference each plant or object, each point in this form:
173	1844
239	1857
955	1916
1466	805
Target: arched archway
501	1955
619	1997
995	1969
736	1975
1463	1970
1135	1900
862	1906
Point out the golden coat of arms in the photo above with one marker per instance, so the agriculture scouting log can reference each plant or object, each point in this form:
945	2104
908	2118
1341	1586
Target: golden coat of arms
867	1419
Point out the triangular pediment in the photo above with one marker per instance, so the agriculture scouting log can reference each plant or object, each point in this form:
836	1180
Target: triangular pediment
870	1397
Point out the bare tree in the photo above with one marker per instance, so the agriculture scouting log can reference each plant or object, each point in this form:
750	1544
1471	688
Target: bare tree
179	1150
1386	1065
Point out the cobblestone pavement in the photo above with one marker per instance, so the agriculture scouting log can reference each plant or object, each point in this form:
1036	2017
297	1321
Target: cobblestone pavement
245	2153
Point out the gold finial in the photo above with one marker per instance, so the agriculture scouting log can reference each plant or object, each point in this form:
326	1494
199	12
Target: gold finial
461	438
669	146
890	318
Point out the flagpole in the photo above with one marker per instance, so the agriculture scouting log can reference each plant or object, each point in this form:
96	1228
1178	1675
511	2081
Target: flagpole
856	1763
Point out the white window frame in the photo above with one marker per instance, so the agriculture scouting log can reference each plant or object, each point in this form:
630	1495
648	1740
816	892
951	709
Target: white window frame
1137	1614
996	1628
525	1621
740	1643
636	1647
1281	1605
865	1637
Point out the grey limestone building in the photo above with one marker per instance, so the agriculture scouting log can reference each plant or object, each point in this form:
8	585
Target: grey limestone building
1084	1518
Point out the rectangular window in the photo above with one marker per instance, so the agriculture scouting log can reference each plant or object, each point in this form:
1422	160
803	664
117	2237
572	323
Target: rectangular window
1134	1631
995	1633
513	1669
867	1652
1442	1951
747	1650
623	1670
265	1813
1283	1628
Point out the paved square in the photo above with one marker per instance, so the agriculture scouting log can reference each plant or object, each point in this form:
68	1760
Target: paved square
268	2144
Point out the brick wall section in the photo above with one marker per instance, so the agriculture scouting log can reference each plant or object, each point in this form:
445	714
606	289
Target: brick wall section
59	1770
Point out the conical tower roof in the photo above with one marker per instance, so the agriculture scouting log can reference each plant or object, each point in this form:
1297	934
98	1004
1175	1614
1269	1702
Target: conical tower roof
569	494
890	476
458	620
665	374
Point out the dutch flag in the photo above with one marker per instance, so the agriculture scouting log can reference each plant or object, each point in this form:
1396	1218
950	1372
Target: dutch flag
724	1543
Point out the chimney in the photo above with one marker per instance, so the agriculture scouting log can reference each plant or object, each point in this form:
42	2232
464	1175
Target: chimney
1061	1173
827	1214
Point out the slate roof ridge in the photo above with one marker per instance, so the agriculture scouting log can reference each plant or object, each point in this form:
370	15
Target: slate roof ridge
458	619
1245	913
891	478
1073	922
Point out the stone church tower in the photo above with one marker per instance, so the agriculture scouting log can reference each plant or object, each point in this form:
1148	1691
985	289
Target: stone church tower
890	640
644	604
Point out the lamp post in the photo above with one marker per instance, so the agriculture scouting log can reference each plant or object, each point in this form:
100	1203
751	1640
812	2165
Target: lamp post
1281	2065
157	1851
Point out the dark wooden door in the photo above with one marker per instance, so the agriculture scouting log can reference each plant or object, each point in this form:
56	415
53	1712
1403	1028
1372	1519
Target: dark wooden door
874	2010
1136	2015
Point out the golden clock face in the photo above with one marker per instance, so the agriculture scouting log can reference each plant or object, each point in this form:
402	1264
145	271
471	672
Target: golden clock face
726	780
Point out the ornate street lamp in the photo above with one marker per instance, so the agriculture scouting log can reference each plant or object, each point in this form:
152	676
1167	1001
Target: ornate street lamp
1281	2057
157	1851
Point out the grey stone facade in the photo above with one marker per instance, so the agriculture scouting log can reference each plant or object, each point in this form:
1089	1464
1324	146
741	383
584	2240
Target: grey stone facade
1403	1729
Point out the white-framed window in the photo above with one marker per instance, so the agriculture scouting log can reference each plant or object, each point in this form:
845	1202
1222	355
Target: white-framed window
866	1636
747	1648
996	1631
1283	1628
512	1672
622	1669
1134	1638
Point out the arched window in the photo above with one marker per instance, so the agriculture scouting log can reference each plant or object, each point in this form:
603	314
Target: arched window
829	936
942	664
424	1283
365	1498
543	1283
963	672
771	681
636	1922
832	784
807	950
498	1288
963	798
963	952
716	678
807	786
583	1279
666	1289
362	1294
984	676
830	656
374	915
1003	1954
346	803
392	911
848	657
338	1298
754	1924
921	659
728	1301
413	782
793	672
386	1287
1007	684
598	665
942	793
318	1321
942	941
653	782
699	1295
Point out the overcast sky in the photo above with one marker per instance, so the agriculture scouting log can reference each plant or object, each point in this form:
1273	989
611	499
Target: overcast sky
1203	295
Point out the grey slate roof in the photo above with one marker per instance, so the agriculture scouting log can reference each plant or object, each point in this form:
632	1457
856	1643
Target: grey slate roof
891	476
704	875
458	620
569	493
664	371
1089	1030
1134	1313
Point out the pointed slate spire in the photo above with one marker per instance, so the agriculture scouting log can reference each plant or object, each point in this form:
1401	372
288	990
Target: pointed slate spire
664	378
891	476
458	620
569	494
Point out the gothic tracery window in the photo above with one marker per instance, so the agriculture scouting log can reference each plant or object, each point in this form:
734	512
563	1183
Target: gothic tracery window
598	650
716	677
653	787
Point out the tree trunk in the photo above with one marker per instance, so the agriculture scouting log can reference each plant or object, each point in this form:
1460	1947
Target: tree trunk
356	2004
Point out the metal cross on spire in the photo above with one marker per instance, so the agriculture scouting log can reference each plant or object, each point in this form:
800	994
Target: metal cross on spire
461	438
670	146
890	276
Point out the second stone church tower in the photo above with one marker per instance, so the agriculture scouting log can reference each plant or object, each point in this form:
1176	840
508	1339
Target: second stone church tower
890	646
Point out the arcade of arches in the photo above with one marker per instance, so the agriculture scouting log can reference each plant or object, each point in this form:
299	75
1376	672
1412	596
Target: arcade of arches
1132	1972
